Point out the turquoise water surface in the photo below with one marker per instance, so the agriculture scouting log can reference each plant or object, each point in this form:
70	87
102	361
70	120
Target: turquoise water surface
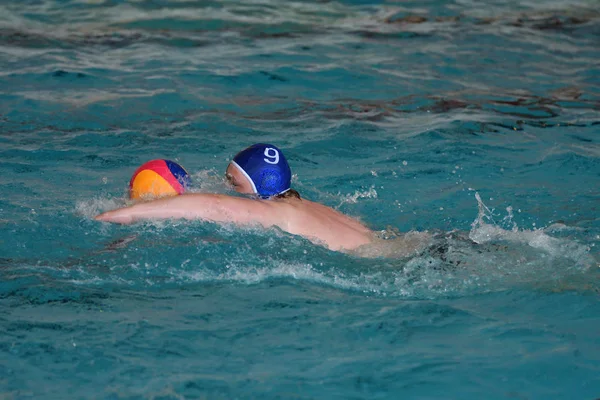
477	121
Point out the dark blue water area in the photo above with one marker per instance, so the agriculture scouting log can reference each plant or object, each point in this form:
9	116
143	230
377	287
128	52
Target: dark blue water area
280	339
477	122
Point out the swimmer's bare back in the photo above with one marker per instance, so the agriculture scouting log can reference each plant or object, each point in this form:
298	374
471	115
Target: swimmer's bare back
316	222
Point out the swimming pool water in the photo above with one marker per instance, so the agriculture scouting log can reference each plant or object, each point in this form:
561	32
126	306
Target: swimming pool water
467	119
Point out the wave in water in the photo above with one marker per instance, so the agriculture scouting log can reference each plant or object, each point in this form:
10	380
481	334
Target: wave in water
491	256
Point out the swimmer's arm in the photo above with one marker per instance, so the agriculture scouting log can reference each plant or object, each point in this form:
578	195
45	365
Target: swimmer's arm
203	206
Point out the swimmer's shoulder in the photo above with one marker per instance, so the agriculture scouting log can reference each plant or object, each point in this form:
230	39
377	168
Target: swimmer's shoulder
303	211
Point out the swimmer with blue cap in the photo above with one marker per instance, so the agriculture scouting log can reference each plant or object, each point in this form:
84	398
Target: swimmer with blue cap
260	171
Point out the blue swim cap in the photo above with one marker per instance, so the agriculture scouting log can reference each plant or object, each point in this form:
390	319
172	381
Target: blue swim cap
266	168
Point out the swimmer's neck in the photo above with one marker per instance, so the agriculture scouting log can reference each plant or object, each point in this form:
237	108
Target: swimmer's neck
289	200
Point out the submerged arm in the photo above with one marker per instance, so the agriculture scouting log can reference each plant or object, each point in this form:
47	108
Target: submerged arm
210	207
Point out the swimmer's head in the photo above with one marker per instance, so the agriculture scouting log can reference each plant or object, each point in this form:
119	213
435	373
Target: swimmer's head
260	169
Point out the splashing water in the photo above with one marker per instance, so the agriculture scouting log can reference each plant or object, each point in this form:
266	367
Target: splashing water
556	248
413	264
358	194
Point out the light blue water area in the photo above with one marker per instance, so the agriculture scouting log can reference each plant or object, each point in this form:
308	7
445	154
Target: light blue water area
467	119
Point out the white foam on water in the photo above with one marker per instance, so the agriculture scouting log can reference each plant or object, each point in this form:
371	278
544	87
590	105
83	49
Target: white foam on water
487	258
483	232
209	181
496	259
371	193
273	269
92	207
